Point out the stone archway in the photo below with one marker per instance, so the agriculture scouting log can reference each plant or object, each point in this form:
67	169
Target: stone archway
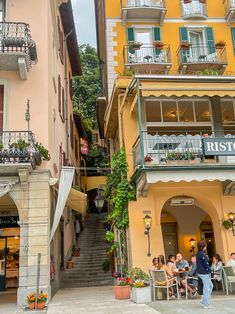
189	218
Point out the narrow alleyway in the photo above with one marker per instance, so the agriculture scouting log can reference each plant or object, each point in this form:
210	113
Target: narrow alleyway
88	270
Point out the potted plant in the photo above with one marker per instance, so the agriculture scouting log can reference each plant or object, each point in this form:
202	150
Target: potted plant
202	1
227	224
31	299
76	251
135	45
41	300
122	288
140	286
220	44
187	1
70	264
185	45
180	158
148	159
158	45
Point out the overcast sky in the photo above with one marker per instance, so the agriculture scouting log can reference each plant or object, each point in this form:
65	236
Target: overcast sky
84	16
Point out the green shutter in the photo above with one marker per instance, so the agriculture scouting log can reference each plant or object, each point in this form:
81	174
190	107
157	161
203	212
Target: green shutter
233	38
183	34
210	39
157	37
130	37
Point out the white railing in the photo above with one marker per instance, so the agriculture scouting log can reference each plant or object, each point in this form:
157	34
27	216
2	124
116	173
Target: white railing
193	8
143	3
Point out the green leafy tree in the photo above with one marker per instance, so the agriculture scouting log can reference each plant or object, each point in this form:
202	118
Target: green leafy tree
87	87
97	157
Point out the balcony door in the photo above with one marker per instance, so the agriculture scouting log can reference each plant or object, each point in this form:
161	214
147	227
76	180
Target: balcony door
196	38
2	10
1	106
146	53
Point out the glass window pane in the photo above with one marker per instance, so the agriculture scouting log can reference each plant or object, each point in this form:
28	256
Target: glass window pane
227	111
153	111
169	111
186	111
202	111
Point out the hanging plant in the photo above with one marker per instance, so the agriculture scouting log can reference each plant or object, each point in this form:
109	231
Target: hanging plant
227	224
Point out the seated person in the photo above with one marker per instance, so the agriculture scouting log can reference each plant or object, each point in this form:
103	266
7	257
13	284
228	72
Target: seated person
170	276
172	263
191	282
182	265
217	268
231	262
154	264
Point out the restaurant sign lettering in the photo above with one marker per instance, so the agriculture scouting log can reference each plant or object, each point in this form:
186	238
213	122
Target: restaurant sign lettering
219	146
9	221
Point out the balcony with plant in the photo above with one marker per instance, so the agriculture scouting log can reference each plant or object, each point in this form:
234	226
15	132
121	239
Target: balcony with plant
20	147
197	58
17	48
229	7
155	58
194	9
143	9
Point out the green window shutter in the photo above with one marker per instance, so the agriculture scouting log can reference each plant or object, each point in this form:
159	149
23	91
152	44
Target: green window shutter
183	34
130	37
233	38
210	39
157	37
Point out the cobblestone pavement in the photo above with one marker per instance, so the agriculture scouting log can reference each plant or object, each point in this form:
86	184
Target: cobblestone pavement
95	300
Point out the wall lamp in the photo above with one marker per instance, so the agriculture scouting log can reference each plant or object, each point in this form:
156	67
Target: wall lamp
148	223
231	218
192	245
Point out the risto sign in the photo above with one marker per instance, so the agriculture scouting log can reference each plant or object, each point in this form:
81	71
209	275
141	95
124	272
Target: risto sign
219	146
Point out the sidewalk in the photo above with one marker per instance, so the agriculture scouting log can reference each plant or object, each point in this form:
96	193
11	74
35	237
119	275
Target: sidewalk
95	300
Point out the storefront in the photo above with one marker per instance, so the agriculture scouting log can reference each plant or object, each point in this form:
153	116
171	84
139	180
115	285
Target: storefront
9	252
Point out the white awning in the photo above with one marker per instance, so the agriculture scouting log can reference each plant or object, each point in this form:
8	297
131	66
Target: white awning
188	176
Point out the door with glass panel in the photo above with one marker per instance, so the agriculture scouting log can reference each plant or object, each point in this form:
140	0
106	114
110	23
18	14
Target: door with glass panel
146	52
197	50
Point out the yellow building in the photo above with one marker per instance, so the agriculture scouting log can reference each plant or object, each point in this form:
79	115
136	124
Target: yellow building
174	113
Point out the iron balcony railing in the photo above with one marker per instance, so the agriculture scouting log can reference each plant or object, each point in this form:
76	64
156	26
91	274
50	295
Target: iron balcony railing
193	9
177	148
143	3
18	147
229	4
202	54
16	38
146	54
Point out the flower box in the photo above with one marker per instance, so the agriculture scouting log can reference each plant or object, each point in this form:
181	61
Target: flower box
187	1
202	1
209	161
158	45
181	162
141	295
185	46
122	292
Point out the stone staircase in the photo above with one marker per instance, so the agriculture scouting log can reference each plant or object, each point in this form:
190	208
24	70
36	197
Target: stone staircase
88	271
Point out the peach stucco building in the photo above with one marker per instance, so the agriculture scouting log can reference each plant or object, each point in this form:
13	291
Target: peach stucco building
168	75
38	58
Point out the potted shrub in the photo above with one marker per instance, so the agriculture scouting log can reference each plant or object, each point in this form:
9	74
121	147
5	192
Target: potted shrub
148	159
70	264
220	44
185	45
76	251
227	224
41	300
31	299
140	287
158	45
135	45
122	288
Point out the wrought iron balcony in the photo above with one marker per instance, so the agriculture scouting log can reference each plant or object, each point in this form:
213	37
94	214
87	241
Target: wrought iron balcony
201	58
18	147
194	10
148	59
143	9
229	6
17	49
178	148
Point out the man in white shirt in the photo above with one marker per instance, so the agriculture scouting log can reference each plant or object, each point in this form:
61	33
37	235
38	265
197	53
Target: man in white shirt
231	262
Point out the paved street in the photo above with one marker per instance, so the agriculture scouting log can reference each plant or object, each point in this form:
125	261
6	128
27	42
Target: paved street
100	300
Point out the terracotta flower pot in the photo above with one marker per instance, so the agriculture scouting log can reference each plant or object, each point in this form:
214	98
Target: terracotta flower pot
70	264
76	253
41	305
122	292
31	305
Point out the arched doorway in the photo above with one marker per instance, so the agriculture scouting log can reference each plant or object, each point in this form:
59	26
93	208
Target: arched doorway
184	219
9	245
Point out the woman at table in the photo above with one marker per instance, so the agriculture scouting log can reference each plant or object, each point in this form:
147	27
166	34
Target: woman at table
217	268
154	264
170	276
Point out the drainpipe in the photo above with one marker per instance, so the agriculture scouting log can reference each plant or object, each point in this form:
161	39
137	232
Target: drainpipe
66	95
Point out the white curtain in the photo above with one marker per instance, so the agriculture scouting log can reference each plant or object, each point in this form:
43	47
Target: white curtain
66	180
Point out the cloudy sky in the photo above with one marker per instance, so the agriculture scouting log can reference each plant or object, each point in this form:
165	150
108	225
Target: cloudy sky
84	16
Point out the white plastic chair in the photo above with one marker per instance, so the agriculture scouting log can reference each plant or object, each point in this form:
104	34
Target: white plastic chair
229	278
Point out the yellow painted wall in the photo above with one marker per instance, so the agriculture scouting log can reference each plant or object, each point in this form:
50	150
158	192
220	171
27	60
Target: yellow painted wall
90	183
